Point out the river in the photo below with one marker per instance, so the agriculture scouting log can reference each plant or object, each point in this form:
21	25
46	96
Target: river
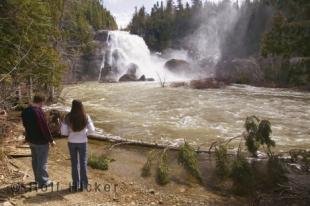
144	110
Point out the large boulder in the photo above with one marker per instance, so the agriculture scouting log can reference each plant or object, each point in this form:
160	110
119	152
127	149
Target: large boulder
128	78
242	71
178	66
142	78
131	73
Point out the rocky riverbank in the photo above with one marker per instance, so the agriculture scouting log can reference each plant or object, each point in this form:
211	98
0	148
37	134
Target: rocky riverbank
122	183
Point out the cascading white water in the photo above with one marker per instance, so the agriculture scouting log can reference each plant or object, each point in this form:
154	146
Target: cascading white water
125	49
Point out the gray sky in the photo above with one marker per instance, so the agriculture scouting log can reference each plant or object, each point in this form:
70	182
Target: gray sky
122	10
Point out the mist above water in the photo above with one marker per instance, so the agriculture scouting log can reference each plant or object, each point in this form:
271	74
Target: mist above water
206	41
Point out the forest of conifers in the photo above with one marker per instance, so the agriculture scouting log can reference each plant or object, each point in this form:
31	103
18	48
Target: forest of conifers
41	38
277	29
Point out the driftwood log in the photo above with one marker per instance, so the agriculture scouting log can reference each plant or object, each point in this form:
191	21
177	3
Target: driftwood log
121	141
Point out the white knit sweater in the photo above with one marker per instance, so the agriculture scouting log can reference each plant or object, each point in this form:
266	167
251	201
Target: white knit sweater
78	137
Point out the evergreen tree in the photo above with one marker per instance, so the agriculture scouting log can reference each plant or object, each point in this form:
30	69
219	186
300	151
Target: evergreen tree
39	37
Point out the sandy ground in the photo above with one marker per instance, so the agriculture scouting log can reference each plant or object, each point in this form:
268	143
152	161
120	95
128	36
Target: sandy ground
122	184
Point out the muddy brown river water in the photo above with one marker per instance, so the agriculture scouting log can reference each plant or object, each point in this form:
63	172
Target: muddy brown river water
144	110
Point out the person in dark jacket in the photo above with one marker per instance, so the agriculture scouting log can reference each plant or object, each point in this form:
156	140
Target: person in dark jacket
39	138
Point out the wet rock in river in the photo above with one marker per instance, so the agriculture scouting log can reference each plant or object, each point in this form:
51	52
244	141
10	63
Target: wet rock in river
178	66
127	78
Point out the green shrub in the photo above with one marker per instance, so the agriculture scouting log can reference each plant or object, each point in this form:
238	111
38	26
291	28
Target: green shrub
258	133
99	162
222	162
163	170
188	158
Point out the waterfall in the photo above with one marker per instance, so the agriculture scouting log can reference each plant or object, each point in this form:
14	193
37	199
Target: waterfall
126	53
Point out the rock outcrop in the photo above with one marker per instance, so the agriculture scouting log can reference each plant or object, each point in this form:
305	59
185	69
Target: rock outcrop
88	65
127	78
178	66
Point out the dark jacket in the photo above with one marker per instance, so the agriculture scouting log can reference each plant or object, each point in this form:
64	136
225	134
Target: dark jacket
37	131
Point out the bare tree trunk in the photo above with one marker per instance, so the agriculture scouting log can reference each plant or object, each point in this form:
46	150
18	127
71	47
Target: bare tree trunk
52	93
30	88
19	93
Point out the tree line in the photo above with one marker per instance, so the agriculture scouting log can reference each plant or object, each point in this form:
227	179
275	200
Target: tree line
278	30
39	39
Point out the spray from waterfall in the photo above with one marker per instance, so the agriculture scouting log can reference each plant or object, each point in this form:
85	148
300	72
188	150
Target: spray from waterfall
207	41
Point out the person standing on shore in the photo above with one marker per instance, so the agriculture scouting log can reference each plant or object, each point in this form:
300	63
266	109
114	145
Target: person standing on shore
77	125
39	137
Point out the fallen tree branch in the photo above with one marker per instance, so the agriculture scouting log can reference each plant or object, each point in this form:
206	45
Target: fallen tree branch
121	141
226	142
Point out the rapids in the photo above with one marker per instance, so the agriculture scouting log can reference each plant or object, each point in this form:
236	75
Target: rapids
144	110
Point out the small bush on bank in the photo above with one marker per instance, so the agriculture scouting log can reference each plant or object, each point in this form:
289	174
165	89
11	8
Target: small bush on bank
163	170
188	158
98	162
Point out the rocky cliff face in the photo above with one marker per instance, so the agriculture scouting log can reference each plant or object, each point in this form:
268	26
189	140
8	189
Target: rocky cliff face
86	65
89	64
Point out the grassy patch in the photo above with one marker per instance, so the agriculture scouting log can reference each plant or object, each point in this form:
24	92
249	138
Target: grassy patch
99	162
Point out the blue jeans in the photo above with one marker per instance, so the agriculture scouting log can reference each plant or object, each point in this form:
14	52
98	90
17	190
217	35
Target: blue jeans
78	153
39	155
